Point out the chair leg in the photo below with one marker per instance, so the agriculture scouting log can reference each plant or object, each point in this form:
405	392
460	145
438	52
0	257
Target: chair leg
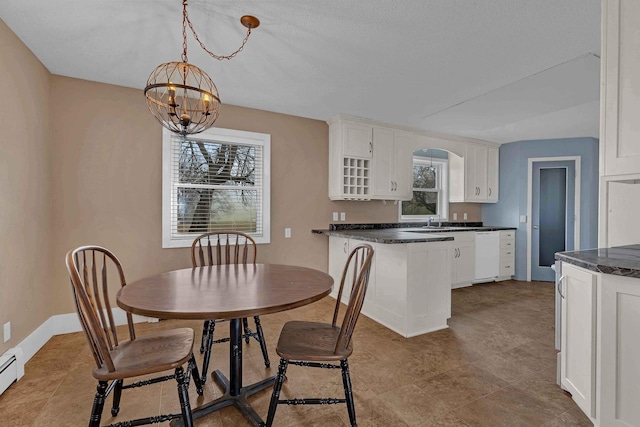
183	395
98	404
205	330
245	328
117	393
277	386
263	344
195	374
348	393
207	351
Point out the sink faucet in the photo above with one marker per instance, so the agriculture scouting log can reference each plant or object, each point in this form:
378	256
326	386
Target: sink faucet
430	219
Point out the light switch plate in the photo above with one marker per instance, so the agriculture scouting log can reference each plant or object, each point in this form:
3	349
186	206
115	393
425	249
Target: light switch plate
335	216
287	233
343	216
523	218
465	215
455	216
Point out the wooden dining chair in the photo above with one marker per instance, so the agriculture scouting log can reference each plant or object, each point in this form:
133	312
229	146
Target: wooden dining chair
320	345
226	247
89	268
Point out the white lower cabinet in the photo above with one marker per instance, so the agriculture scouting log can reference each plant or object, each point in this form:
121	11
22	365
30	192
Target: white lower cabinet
577	359
463	259
600	346
619	349
409	286
507	255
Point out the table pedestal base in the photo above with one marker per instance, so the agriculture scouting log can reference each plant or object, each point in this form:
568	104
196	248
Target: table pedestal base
234	393
239	401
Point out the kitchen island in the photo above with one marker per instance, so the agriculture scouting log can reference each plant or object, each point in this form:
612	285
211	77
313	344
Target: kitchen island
600	332
411	275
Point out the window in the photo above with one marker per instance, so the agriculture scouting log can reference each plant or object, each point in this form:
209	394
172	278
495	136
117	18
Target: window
430	191
216	180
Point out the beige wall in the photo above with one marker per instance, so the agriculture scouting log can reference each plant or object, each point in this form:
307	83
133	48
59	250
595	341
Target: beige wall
107	162
81	164
25	191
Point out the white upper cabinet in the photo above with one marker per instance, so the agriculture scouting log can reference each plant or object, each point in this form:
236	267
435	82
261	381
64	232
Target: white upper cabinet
474	177
392	164
493	174
350	160
620	95
369	162
476	173
357	140
619	124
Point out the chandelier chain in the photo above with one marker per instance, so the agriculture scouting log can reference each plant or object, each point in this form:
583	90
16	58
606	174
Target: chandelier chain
184	30
186	20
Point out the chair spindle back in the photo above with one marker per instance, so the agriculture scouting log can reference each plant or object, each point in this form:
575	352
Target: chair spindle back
223	247
356	276
89	268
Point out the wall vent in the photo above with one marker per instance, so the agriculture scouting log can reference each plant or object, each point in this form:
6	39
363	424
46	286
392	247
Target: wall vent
11	368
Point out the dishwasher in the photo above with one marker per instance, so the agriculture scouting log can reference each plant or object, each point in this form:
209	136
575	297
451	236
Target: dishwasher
487	256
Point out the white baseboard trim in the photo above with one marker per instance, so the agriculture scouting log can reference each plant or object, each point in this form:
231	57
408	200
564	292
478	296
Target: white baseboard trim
64	324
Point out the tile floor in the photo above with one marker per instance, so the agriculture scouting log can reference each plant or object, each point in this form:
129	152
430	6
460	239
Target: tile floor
495	366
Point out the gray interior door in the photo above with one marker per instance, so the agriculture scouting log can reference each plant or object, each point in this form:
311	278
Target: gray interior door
553	215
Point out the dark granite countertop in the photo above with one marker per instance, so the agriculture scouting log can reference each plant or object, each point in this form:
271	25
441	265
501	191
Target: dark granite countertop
619	260
403	232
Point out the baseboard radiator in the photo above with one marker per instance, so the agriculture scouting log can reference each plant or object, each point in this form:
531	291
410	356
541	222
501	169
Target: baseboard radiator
11	368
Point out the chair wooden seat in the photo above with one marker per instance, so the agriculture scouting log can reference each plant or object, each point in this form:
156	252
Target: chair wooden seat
148	354
311	341
317	345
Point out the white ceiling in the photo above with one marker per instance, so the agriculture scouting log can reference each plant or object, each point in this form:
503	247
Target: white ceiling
497	70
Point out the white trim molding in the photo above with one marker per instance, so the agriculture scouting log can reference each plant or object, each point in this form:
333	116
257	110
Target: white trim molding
64	324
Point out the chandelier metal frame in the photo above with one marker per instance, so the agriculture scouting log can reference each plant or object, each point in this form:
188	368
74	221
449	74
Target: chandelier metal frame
181	96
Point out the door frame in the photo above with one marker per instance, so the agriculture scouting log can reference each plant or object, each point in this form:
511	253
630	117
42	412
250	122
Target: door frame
576	226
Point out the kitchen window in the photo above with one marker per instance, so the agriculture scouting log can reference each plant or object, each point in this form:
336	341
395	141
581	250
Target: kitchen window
215	180
430	191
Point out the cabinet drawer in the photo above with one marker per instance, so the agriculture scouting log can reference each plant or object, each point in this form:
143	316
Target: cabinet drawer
507	244
507	269
507	254
510	234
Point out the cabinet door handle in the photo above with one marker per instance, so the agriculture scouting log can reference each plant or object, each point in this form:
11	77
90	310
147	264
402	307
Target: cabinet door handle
559	286
395	186
370	147
344	247
489	190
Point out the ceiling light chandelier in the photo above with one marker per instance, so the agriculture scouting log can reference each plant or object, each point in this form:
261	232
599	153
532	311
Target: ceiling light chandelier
181	96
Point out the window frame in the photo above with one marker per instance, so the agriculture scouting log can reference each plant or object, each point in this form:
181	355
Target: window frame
224	136
442	179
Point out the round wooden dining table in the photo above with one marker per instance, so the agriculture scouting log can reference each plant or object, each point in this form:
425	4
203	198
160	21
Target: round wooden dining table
226	292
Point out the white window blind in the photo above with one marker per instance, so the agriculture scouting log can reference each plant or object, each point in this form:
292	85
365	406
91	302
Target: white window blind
430	191
216	180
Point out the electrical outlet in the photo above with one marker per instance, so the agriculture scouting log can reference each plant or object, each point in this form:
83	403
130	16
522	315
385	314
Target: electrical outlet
523	218
343	216
7	331
335	216
455	216
465	215
287	233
